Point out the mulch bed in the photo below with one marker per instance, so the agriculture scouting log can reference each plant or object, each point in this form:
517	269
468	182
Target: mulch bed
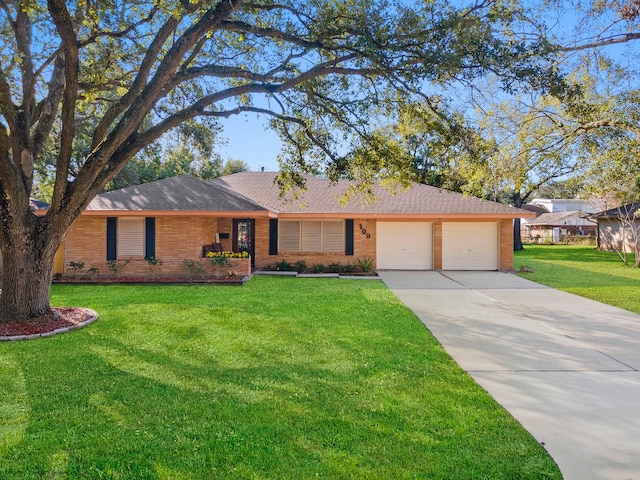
62	320
164	279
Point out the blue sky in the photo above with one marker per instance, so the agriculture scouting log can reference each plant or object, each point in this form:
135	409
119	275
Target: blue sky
250	141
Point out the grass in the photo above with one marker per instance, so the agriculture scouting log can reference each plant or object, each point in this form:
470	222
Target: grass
584	271
282	378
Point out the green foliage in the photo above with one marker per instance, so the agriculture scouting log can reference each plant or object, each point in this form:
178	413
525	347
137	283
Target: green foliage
300	266
349	268
365	264
318	268
77	267
284	266
220	261
232	166
334	267
154	262
193	267
116	266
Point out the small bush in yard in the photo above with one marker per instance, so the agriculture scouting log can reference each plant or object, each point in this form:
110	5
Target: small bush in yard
284	266
317	268
334	267
365	264
349	268
301	266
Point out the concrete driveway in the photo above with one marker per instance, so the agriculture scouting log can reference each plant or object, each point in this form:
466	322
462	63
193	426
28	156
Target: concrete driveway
564	366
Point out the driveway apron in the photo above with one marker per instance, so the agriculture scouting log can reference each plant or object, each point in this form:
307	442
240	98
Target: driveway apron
567	368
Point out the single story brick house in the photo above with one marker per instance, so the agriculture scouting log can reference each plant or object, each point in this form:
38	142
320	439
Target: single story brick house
174	221
555	226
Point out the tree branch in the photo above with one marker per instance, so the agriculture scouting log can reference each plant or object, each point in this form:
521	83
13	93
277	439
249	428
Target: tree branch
615	40
122	33
150	57
64	25
48	108
106	157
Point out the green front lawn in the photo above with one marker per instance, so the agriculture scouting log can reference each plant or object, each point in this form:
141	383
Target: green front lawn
282	378
584	271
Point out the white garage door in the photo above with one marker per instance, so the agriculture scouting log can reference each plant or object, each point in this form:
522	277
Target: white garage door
470	246
404	245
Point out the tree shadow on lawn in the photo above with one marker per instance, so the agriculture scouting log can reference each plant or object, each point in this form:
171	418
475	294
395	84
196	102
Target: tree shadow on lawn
242	406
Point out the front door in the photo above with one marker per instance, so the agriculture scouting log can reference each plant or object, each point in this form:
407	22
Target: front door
244	237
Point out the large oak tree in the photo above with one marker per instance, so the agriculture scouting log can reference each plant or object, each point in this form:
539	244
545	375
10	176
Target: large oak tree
94	82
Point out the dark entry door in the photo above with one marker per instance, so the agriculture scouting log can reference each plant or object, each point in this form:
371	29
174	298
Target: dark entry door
244	236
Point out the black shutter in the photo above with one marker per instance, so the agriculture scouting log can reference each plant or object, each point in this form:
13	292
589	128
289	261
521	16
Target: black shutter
273	236
112	236
150	237
348	236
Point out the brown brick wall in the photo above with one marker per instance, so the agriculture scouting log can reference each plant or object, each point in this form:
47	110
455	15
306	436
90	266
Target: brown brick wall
180	238
86	242
177	239
437	245
364	245
506	245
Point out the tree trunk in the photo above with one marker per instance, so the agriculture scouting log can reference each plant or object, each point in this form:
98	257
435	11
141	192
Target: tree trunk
26	275
517	235
517	201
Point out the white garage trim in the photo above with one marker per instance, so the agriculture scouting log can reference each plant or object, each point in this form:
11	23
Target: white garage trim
470	246
404	245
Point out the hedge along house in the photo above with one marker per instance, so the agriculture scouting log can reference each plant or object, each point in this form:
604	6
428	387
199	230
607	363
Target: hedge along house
175	221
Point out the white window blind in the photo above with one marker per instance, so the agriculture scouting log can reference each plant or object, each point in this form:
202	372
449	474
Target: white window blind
289	232
131	237
311	235
333	236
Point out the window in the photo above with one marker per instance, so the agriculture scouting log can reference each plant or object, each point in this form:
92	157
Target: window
311	236
131	237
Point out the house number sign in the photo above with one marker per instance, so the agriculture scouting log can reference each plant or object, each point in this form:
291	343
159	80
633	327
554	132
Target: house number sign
364	231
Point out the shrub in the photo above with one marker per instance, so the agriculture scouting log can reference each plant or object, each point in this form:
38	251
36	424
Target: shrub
317	268
153	262
365	264
301	266
219	260
193	267
115	266
284	266
76	267
349	268
334	267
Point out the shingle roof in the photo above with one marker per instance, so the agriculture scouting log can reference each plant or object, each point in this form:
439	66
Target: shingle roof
177	193
629	210
37	205
557	218
535	208
322	196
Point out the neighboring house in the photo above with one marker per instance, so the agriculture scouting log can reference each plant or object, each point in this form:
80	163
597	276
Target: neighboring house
554	226
619	228
568	220
176	219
